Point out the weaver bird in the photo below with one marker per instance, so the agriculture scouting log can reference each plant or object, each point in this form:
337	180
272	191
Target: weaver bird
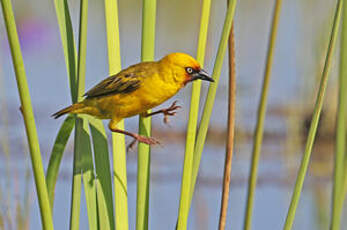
137	89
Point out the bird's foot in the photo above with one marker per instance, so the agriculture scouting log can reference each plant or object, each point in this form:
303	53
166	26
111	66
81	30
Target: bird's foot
146	140
142	139
131	146
171	111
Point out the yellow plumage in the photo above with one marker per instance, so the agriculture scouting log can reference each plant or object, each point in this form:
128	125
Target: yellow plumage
137	89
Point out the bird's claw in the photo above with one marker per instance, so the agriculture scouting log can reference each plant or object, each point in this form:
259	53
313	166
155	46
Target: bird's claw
149	140
171	111
130	147
142	139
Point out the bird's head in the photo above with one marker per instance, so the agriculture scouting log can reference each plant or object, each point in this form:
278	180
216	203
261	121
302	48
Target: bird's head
186	68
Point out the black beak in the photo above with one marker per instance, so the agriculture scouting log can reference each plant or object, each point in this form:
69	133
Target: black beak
203	75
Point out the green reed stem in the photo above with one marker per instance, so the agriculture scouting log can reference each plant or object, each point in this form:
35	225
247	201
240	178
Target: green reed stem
28	115
70	59
66	32
259	130
183	212
211	95
82	49
83	138
83	161
315	120
86	168
103	171
118	140
195	97
67	40
230	132
103	180
144	151
338	188
76	182
56	156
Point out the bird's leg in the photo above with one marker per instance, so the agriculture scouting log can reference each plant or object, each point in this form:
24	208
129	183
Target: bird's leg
171	111
147	140
143	139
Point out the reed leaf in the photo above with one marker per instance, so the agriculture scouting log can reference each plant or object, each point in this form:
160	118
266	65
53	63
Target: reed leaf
184	205
259	129
144	155
85	168
315	120
118	140
338	188
28	115
103	183
56	156
83	138
68	43
103	180
103	174
83	160
76	182
66	33
211	95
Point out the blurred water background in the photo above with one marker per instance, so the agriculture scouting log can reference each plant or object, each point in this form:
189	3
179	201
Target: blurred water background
302	42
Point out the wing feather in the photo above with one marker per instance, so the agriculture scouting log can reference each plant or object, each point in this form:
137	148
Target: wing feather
123	82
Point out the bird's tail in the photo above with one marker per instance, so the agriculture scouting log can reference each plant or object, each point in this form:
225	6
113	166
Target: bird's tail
75	108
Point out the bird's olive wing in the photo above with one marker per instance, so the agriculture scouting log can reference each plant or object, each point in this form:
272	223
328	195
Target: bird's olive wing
115	84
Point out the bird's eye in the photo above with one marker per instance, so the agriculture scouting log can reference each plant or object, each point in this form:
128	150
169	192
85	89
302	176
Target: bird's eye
189	70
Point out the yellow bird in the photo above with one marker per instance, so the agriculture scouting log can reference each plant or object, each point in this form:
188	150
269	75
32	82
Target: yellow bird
137	89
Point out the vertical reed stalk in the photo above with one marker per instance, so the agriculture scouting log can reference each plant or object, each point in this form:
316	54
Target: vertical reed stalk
67	39
82	49
119	153
82	143
83	161
195	97
338	188
84	167
211	95
315	120
193	119
77	177
76	183
230	137
28	115
258	134
103	178
144	154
